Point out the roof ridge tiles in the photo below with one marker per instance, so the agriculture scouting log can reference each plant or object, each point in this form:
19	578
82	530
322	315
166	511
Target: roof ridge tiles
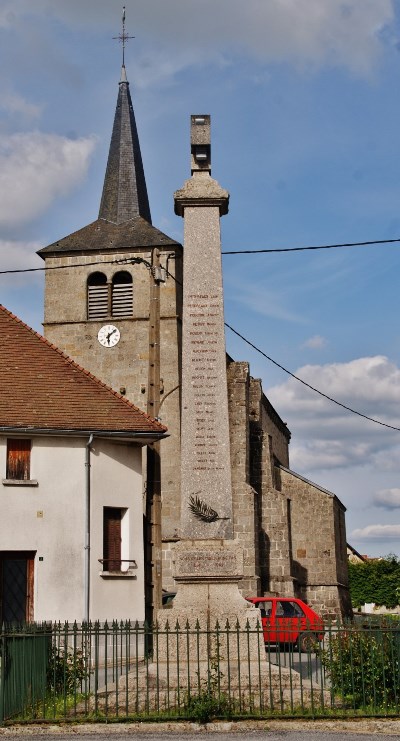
76	365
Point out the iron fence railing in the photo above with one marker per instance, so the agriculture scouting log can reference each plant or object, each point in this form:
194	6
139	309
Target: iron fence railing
131	670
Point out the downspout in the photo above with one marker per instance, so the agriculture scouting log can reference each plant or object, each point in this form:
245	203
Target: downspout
86	586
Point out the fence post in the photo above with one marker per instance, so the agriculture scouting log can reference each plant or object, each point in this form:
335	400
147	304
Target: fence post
2	673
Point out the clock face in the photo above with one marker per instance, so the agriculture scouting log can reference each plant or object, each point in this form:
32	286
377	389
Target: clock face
108	336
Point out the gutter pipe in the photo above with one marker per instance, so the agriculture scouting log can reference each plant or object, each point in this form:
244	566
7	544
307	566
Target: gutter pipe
86	586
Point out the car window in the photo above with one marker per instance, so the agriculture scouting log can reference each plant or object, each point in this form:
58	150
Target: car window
288	609
265	608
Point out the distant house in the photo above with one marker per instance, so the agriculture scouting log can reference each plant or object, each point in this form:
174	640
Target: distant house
354	556
71	527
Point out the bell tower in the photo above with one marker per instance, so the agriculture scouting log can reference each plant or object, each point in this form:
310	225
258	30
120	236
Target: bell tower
113	296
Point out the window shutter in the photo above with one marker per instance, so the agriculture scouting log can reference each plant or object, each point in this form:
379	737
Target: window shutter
18	459
97	302
112	539
122	300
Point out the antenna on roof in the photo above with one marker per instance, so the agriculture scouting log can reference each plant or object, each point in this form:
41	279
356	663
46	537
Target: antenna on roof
123	37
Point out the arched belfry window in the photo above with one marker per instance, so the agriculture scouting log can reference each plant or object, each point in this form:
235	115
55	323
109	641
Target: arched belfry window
97	296
122	294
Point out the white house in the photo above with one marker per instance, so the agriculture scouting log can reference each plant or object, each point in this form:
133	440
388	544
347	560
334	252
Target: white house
71	487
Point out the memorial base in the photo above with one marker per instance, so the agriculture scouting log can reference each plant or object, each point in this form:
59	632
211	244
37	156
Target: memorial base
209	644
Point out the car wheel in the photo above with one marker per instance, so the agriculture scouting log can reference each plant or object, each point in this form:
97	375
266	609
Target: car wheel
307	642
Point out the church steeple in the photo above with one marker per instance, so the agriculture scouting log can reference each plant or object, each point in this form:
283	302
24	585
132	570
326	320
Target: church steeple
124	190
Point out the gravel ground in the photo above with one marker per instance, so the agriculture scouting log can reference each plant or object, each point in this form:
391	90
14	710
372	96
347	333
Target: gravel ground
364	729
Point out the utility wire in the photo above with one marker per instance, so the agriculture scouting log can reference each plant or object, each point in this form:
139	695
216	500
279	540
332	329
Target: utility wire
121	261
308	385
257	349
313	247
224	252
317	391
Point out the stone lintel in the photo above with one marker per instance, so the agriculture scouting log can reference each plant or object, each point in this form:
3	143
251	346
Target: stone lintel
201	190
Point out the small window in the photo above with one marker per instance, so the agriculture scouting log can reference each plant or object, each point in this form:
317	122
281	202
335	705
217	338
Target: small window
122	294
97	296
18	459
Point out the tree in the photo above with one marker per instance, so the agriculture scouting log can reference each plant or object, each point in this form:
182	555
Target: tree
376	580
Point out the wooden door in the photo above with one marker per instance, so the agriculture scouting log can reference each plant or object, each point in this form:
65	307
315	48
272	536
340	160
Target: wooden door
16	586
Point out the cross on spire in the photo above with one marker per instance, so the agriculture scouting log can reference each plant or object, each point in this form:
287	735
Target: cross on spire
123	37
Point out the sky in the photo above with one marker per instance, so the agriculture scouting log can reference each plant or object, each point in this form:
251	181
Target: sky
305	108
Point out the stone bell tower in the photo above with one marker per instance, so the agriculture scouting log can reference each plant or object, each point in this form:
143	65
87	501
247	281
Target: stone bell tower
113	301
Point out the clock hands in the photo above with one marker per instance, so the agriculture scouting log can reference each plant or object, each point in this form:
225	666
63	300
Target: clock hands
109	335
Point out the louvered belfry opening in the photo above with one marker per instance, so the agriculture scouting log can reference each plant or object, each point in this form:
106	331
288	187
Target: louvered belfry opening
97	296
122	294
112	539
18	459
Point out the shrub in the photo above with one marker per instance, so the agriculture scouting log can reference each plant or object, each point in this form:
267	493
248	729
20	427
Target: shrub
363	667
66	671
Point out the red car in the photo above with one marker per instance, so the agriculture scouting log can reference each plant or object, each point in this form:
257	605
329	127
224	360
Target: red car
289	620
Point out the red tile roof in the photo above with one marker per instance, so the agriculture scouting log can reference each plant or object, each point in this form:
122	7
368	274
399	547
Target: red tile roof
42	388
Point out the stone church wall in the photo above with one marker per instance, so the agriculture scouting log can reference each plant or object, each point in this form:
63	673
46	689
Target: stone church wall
318	536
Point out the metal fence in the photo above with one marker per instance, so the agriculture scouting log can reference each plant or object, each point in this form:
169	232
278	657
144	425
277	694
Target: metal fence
129	670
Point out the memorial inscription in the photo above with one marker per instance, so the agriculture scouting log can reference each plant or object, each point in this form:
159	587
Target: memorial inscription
203	310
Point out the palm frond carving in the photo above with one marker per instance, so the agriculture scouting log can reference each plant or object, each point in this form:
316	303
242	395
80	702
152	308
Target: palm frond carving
203	511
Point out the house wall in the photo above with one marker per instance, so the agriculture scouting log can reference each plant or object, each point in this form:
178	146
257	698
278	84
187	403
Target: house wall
49	519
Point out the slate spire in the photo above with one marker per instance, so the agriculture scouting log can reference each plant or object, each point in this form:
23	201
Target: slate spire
124	191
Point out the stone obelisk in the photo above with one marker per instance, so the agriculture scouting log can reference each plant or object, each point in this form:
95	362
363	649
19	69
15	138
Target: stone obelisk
211	637
208	561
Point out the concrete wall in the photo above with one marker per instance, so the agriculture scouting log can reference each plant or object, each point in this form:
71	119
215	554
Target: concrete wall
49	519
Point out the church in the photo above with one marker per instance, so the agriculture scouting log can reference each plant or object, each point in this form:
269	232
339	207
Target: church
113	302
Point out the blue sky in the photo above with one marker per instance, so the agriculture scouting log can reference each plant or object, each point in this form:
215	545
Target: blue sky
305	109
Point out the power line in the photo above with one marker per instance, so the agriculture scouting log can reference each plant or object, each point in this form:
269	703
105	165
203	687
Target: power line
257	349
224	252
317	391
312	247
121	261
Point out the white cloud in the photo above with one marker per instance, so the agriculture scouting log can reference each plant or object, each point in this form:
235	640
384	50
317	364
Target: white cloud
19	256
315	342
36	168
372	532
14	103
327	436
302	32
388	498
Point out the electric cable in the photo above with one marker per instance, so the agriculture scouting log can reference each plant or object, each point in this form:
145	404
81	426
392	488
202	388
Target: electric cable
224	252
248	342
308	385
312	247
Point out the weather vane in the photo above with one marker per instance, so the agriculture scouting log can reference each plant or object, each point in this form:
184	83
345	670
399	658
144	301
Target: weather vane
123	36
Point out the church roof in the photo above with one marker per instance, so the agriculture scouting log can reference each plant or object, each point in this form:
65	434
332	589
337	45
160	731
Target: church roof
124	191
124	221
43	389
102	235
